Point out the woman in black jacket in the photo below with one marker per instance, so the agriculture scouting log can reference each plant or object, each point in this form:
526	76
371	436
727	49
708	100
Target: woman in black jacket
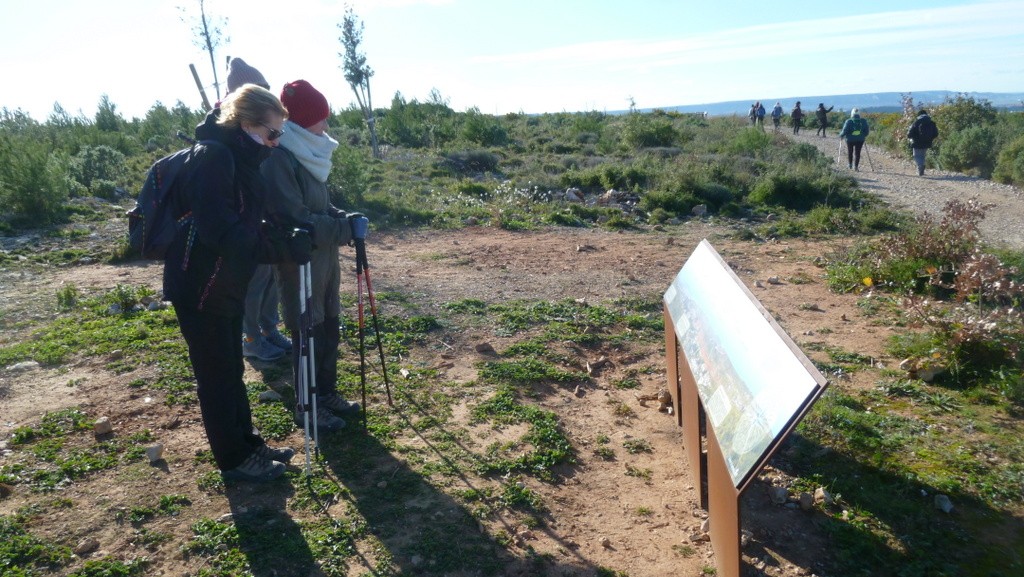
209	264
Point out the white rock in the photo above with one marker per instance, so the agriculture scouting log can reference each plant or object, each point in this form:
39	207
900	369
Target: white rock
778	495
102	426
822	496
943	503
23	366
269	396
155	452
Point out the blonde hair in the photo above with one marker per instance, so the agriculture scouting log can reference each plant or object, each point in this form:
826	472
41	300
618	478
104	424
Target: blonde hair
250	103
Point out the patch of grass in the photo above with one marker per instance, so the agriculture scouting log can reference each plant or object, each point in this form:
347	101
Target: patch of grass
605	453
638	472
538	452
684	550
111	567
620	409
526	372
635	446
20	550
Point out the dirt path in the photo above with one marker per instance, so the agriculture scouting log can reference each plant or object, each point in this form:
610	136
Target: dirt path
896	180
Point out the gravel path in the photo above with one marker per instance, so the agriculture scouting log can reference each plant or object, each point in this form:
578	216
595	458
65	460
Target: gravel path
896	180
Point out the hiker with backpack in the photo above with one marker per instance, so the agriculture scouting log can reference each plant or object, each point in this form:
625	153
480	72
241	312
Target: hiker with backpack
777	115
209	262
855	132
297	173
822	115
760	114
922	135
797	117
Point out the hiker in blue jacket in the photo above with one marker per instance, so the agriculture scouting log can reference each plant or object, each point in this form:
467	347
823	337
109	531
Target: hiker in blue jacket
855	132
777	116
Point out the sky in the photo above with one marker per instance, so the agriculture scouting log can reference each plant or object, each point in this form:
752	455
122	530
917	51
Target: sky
503	56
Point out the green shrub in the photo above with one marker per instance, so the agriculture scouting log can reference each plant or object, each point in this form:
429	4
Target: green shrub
972	149
678	203
32	186
483	129
471	161
647	130
349	180
751	142
1010	166
98	168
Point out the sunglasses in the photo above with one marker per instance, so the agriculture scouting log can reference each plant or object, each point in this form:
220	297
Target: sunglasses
274	133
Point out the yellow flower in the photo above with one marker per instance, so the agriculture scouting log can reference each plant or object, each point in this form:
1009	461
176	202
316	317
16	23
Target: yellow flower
867	281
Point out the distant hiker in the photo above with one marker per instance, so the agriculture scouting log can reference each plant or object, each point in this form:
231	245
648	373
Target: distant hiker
752	114
777	115
208	266
760	114
297	173
822	115
797	117
921	135
261	337
855	131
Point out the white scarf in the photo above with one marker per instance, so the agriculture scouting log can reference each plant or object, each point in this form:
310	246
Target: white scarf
313	151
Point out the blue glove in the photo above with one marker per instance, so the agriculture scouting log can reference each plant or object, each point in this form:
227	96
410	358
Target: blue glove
360	226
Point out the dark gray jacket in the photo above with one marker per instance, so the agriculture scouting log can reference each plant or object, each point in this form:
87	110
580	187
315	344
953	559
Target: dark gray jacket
296	196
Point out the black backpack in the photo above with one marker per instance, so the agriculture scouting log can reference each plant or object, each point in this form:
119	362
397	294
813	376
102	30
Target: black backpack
928	130
159	210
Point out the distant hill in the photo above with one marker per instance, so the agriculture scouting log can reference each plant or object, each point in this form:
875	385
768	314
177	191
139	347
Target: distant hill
871	102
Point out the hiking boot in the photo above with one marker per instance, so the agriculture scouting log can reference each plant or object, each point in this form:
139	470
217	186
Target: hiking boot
326	421
338	405
851	166
256	469
278	340
262	349
279	454
920	171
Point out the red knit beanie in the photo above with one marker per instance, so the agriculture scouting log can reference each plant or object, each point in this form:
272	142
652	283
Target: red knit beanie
306	106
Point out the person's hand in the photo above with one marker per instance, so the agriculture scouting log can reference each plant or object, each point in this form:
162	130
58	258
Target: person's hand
360	225
300	246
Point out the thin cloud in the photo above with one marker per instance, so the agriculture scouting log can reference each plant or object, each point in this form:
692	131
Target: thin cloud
936	28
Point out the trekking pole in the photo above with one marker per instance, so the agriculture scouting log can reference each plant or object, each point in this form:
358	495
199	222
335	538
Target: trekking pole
868	152
363	275
839	153
306	368
301	377
311	358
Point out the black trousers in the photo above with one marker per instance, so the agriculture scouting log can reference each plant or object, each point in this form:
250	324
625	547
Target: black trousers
851	148
326	338
215	349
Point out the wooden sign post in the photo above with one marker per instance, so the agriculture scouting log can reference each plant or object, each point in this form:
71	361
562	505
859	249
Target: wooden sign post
739	386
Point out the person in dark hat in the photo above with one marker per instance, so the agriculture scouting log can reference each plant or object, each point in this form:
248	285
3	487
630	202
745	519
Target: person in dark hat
261	337
297	172
822	115
797	117
240	73
922	135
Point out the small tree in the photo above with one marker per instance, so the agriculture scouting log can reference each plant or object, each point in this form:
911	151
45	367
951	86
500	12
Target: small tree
208	34
357	72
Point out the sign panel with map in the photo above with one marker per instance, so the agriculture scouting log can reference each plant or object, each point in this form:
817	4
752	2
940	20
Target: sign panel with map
751	379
